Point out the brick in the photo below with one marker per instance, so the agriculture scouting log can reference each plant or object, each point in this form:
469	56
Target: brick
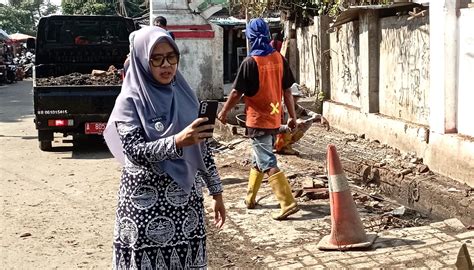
449	259
445	237
292	250
418	237
311	248
356	261
466	235
409	257
455	224
309	260
438	225
382	259
402	253
427	242
418	230
334	265
370	264
334	257
293	266
434	264
451	246
429	252
282	263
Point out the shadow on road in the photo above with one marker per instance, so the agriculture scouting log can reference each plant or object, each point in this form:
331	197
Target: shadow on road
21	137
16	101
83	148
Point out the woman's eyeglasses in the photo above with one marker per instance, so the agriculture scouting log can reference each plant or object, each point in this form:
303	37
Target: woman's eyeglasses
158	60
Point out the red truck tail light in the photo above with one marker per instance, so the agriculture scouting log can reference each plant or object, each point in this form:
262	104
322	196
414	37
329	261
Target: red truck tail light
60	122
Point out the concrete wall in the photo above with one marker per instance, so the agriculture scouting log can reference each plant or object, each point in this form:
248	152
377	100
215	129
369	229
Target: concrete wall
201	56
309	47
406	83
466	71
202	64
344	43
404	80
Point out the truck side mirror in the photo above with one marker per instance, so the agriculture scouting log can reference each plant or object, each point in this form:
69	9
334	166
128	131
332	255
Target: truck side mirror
30	43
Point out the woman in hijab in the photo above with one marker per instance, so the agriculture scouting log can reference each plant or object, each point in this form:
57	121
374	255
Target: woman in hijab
154	133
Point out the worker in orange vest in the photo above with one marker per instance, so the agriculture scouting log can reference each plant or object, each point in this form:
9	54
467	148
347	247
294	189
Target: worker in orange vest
264	79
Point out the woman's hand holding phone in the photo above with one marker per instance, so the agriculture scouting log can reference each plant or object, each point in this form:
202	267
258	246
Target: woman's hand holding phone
195	133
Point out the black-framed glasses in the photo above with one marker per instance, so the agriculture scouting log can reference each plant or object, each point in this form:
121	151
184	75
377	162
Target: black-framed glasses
158	60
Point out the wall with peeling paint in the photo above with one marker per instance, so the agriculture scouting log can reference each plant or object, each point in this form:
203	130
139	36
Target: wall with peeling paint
307	40
201	61
466	72
405	69
202	64
344	64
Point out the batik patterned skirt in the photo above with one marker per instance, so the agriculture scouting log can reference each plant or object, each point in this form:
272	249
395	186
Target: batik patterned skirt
158	226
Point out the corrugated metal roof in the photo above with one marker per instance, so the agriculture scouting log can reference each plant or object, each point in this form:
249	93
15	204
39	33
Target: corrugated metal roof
235	21
352	13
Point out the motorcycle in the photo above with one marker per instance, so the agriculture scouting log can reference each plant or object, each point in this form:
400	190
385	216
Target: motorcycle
11	72
3	74
27	64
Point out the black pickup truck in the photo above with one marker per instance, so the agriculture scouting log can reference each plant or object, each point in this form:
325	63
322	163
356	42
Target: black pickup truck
71	45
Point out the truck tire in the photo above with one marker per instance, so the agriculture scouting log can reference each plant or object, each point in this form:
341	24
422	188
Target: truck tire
45	145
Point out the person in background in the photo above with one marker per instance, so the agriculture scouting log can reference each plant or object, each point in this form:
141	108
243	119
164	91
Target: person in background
161	21
126	63
160	216
305	118
264	79
276	42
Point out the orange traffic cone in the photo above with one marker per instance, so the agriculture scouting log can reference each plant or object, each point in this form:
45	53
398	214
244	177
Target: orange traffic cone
347	231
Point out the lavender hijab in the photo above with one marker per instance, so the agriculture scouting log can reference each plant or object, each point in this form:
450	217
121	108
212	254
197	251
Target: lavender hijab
161	110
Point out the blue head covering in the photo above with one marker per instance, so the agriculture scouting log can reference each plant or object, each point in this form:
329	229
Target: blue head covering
259	36
143	102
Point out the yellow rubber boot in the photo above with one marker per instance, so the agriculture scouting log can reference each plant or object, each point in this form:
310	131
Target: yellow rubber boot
255	180
281	189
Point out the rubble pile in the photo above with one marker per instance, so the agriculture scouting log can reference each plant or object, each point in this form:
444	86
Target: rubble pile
310	184
97	77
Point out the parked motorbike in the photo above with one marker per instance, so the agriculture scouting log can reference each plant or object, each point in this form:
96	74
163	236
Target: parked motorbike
3	74
27	64
11	72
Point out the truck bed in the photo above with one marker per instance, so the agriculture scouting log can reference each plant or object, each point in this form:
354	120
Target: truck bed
84	103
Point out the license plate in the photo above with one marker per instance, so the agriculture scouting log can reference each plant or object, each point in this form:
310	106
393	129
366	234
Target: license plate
95	127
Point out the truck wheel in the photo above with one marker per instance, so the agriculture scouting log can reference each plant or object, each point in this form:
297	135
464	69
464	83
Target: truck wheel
45	145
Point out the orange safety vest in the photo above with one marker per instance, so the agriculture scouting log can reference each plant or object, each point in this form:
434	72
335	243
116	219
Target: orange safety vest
264	109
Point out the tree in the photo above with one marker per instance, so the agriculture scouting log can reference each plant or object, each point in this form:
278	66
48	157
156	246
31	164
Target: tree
23	15
299	11
126	8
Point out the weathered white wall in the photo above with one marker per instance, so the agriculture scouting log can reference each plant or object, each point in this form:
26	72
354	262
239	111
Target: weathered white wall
201	60
466	73
202	65
404	78
308	48
344	64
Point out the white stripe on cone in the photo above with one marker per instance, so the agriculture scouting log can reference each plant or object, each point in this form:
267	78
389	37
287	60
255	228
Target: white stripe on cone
338	183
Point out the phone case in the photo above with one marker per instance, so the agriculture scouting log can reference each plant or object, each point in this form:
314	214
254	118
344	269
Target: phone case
208	108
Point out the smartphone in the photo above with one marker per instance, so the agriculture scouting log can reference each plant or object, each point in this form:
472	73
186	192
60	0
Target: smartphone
208	108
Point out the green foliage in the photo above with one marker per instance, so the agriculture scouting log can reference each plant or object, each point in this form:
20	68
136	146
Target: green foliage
23	15
88	8
130	8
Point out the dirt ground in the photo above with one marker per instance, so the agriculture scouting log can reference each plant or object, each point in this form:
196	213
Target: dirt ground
57	208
